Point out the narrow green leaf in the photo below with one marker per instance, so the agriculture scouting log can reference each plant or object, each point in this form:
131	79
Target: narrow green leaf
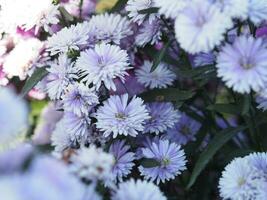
245	104
37	76
66	14
225	108
149	10
169	94
119	5
215	144
159	56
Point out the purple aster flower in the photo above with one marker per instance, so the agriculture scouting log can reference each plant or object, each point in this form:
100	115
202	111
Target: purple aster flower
171	161
61	73
163	116
243	65
103	64
123	159
79	99
161	77
136	190
203	59
184	131
76	126
130	86
121	116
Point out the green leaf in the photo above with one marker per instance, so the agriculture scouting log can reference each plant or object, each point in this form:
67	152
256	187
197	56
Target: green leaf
159	56
119	6
169	94
149	163
214	145
37	76
66	14
225	108
149	10
245	104
198	73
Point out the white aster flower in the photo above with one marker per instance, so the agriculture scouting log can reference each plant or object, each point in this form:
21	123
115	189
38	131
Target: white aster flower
13	118
61	73
121	116
243	65
22	57
136	190
110	27
161	77
92	163
134	6
75	37
257	11
171	8
233	8
200	27
103	64
241	181
148	33
29	14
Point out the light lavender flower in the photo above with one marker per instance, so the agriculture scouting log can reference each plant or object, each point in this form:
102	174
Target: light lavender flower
76	126
46	176
123	159
171	161
257	11
171	8
13	118
243	65
79	99
184	131
259	161
149	32
92	163
121	116
103	64
136	190
61	74
110	28
241	180
163	116
60	139
193	26
233	8
161	77
134	6
75	37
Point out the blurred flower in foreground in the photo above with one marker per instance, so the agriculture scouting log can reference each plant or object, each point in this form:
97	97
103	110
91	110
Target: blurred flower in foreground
136	190
13	118
46	179
49	117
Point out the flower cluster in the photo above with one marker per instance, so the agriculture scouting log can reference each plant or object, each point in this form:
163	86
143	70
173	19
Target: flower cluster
133	103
